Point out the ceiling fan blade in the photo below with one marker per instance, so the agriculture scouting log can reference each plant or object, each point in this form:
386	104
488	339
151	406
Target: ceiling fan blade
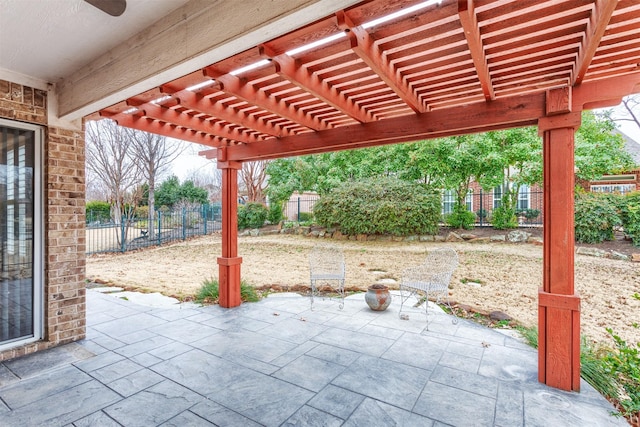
112	7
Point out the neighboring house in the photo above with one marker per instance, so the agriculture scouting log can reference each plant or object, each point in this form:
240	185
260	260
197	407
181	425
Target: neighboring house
622	183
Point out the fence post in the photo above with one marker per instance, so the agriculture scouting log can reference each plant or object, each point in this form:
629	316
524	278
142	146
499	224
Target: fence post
123	236
159	227
184	223
298	209
205	216
481	210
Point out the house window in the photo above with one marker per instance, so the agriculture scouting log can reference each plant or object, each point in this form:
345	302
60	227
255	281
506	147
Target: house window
20	234
449	200
523	197
497	197
613	188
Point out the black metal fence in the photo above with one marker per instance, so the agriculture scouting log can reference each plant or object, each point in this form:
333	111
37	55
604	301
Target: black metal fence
105	235
482	203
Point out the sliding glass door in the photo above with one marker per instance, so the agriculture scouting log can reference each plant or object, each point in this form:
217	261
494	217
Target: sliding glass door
20	234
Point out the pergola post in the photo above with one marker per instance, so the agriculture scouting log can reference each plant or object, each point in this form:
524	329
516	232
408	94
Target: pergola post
558	303
229	262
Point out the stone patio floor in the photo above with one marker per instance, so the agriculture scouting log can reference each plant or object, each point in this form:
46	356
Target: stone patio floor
276	362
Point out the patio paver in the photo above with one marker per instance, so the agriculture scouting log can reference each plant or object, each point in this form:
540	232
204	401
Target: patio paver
277	363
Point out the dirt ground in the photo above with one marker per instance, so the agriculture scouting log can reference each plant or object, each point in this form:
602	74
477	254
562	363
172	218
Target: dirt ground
509	274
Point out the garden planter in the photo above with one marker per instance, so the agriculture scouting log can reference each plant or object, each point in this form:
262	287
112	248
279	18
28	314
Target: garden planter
378	297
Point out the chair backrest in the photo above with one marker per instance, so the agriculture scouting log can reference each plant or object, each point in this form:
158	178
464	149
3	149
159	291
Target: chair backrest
442	259
435	273
326	260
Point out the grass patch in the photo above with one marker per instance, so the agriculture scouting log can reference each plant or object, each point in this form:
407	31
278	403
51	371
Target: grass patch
209	292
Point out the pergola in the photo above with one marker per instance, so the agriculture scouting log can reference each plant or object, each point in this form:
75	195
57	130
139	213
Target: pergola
390	71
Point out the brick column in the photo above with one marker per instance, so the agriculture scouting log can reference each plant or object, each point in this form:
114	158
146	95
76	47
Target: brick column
65	241
63	211
558	304
229	263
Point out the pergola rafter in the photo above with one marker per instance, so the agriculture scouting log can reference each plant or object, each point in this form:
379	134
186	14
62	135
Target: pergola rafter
390	71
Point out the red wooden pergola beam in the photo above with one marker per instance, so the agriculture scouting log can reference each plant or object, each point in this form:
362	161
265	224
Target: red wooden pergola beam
288	68
512	112
469	21
196	102
190	122
603	10
363	46
245	91
166	129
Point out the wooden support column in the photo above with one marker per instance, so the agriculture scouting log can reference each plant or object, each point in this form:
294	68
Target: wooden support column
229	262
558	303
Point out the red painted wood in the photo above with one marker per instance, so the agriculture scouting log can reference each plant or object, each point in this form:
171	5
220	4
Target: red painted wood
559	316
469	21
363	45
229	262
235	86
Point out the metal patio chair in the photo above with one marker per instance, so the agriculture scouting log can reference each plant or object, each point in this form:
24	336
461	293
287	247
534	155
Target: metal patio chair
327	268
431	279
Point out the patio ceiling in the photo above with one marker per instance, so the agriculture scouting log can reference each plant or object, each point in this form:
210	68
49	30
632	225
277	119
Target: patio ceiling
388	71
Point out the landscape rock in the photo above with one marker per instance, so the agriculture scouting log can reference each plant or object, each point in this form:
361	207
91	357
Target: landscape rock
480	240
499	238
499	315
361	238
600	253
518	236
454	237
618	255
426	238
254	232
468	236
535	240
438	238
635	257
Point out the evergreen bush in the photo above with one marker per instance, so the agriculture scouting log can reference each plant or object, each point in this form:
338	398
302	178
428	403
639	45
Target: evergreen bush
98	211
596	215
380	206
504	218
252	215
630	213
461	218
275	214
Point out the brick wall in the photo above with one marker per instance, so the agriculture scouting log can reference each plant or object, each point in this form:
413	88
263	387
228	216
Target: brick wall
63	202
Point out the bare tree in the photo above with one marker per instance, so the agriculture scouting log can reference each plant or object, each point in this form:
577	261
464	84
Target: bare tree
152	154
109	164
631	108
628	112
253	177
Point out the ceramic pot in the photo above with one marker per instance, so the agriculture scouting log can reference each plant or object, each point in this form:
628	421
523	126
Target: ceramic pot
378	297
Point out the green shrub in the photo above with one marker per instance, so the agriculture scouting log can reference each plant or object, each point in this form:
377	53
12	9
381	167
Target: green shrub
305	217
623	364
482	214
380	206
142	212
631	216
209	292
252	215
595	217
529	214
275	214
504	218
461	218
98	211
